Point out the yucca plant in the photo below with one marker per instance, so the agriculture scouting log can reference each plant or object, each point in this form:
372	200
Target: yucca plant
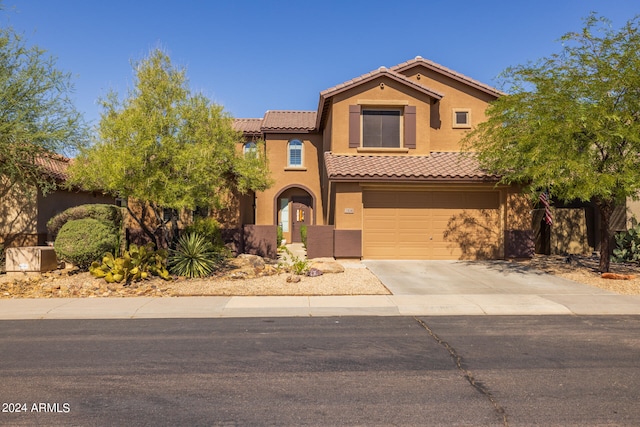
194	256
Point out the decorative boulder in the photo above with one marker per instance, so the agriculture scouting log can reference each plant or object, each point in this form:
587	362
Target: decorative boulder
327	267
254	261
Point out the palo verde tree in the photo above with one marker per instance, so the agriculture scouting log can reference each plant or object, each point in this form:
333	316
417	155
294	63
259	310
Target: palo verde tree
166	148
570	124
37	115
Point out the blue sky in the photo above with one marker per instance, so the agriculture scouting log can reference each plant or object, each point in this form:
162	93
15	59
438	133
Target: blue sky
254	56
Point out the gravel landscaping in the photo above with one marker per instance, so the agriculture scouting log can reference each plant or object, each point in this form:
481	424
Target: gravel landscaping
243	277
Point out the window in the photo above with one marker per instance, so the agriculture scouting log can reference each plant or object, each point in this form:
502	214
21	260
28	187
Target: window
381	128
250	149
295	153
461	118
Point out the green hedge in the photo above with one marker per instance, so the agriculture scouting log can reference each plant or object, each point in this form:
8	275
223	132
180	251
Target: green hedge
108	214
82	241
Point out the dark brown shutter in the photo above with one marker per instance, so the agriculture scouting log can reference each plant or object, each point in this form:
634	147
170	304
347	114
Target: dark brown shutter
354	126
410	126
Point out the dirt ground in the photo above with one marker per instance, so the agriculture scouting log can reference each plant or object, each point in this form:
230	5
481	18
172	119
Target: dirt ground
355	280
583	269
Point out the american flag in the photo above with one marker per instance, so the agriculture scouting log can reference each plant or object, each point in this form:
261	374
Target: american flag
544	199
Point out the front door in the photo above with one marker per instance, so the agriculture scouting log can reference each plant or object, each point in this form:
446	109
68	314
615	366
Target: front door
300	215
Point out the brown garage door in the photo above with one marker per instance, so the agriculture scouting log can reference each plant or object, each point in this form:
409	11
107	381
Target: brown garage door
431	224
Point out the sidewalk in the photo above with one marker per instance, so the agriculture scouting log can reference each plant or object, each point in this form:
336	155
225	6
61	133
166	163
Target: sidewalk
420	288
304	306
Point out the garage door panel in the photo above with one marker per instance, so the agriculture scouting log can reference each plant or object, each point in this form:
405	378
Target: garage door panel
431	224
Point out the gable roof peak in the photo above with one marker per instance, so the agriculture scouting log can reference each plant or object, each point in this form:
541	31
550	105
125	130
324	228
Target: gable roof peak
419	60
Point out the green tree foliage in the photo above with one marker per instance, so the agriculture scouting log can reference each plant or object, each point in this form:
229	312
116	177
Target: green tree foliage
571	122
167	148
37	116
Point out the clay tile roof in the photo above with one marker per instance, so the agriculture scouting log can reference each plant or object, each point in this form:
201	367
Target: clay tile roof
248	126
55	166
289	121
418	60
439	166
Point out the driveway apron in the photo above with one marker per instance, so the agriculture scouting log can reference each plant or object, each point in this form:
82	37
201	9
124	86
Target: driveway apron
471	277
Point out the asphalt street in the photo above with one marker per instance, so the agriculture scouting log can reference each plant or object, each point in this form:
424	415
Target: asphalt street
463	370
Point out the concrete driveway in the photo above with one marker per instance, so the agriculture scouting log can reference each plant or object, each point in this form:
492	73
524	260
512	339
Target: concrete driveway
472	278
492	288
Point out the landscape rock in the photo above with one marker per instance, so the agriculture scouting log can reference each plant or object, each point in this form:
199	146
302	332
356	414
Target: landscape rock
293	278
327	267
314	272
248	260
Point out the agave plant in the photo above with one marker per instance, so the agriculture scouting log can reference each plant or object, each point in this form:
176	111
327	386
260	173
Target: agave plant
193	257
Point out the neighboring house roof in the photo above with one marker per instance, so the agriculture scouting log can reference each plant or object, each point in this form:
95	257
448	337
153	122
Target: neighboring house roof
54	166
325	95
248	126
418	60
289	121
439	166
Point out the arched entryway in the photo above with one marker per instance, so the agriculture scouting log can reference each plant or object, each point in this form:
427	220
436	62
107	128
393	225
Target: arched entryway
295	208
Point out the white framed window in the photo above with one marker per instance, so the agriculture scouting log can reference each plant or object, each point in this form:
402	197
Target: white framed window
461	118
381	127
294	153
250	149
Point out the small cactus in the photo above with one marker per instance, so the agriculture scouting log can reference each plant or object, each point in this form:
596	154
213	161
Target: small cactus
134	265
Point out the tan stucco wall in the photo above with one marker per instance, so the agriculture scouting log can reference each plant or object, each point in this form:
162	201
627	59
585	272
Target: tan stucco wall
307	177
394	94
518	210
456	95
348	206
18	210
633	211
434	127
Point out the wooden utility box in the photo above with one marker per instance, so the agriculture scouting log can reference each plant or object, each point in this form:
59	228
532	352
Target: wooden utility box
31	259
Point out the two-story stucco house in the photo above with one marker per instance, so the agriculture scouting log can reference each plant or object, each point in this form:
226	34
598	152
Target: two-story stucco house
380	161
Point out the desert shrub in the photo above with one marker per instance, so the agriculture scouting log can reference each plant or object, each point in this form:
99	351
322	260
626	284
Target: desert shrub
280	235
82	241
627	245
303	235
194	256
292	263
208	228
137	263
109	214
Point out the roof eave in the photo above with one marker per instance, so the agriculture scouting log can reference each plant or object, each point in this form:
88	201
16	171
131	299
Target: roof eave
413	180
